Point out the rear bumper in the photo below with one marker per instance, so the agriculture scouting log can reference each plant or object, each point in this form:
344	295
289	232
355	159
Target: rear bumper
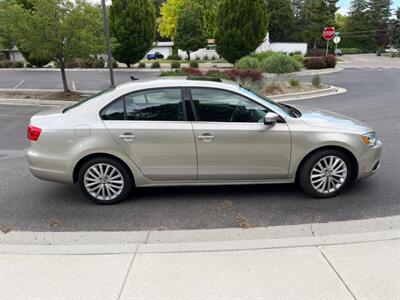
369	163
47	168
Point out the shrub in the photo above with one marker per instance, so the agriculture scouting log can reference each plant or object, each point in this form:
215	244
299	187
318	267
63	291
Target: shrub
330	61
299	58
244	75
142	65
273	88
174	57
175	65
18	64
155	65
115	64
205	57
3	56
248	62
193	72
194	64
314	63
351	51
280	64
217	74
317	52
98	63
294	83
5	64
197	57
213	57
172	73
263	55
28	65
316	81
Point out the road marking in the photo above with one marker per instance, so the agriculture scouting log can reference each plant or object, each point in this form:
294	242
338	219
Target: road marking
21	82
73	86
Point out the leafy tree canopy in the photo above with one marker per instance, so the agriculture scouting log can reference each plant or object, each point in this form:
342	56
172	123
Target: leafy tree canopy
281	20
241	27
168	21
132	24
190	35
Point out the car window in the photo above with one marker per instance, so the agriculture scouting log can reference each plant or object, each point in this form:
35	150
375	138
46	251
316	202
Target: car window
114	112
155	105
214	105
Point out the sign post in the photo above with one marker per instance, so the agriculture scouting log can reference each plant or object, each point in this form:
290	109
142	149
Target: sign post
328	34
337	40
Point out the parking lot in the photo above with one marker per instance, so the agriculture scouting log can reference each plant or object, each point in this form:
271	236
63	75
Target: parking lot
30	204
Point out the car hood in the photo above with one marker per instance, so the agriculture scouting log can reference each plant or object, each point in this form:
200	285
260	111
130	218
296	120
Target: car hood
325	119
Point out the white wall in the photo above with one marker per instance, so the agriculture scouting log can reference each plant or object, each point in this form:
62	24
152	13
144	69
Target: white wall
199	53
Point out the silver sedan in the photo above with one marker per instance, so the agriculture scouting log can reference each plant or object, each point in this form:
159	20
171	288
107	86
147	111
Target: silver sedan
171	132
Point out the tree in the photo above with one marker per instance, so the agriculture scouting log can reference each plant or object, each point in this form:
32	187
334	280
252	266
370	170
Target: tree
299	20
394	30
168	21
208	10
379	12
189	33
132	25
318	15
241	27
281	21
60	29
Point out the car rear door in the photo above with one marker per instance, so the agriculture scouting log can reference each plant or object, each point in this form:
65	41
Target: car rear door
152	128
232	141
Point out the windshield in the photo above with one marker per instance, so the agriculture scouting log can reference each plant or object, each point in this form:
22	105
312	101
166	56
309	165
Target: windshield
110	89
279	108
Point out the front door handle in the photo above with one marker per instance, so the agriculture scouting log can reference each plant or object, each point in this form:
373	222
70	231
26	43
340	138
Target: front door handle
206	137
127	137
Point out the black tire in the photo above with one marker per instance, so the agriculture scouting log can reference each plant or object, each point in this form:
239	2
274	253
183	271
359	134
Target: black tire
127	184
304	174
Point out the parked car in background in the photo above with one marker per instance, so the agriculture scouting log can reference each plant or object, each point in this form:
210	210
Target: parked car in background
391	50
172	132
338	52
156	55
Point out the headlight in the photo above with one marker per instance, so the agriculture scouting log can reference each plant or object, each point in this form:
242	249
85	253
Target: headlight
369	139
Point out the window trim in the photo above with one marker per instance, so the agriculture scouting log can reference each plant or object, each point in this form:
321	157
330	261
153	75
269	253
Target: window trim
122	97
281	119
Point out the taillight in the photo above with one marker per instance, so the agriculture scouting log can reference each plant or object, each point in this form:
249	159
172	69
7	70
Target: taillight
33	133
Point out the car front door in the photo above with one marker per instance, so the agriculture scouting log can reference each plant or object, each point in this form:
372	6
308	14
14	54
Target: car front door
151	128
232	141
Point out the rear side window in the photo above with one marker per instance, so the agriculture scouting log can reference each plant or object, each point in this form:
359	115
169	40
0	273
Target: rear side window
151	105
114	112
155	105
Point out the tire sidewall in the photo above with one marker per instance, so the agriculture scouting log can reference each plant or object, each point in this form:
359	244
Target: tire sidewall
306	168
128	182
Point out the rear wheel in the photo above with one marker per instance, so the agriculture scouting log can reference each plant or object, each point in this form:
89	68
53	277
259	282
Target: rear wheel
105	180
325	173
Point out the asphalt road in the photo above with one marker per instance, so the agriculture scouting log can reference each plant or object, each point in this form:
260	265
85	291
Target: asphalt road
27	203
77	80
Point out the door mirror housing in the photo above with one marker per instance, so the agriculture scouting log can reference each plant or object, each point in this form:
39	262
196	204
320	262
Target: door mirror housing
271	119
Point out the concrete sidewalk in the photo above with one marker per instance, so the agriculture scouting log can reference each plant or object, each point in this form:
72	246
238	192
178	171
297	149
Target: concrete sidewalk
233	264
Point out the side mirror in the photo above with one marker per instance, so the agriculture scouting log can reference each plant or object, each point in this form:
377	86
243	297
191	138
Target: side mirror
271	119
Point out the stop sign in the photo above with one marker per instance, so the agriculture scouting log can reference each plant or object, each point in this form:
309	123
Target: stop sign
329	33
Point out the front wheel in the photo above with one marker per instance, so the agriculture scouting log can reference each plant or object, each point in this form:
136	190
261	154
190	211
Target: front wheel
325	173
105	180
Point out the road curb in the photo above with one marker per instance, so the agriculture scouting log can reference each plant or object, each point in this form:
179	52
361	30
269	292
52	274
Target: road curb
302	73
317	234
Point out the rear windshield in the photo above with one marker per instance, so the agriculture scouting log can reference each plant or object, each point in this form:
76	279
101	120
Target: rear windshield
110	89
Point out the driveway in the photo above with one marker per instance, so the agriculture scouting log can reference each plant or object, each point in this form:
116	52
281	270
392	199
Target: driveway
27	203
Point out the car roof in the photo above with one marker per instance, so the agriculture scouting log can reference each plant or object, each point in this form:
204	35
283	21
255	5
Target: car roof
178	82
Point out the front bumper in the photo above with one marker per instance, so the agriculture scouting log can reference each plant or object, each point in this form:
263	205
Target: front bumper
369	162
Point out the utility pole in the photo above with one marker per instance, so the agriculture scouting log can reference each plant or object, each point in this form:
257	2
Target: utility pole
107	32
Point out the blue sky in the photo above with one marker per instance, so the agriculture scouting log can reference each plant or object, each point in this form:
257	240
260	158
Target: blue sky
344	5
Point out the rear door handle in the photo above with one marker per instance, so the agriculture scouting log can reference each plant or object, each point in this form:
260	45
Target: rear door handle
127	137
206	137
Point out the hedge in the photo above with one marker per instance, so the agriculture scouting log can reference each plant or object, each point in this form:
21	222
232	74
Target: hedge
248	62
315	63
280	64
